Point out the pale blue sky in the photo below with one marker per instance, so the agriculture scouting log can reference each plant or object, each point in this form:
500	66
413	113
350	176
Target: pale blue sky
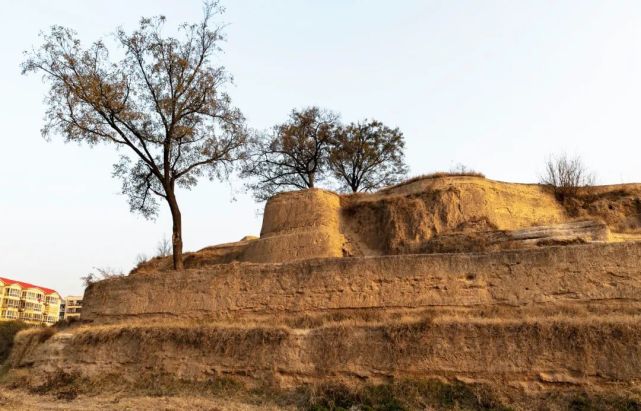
495	85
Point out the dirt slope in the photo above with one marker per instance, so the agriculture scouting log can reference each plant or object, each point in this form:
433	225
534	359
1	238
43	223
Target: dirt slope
444	214
452	279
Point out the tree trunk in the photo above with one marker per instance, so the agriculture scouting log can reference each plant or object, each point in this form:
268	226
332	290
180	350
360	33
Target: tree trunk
310	176
176	236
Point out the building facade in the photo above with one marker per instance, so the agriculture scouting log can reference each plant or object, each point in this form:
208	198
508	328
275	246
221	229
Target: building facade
73	306
27	302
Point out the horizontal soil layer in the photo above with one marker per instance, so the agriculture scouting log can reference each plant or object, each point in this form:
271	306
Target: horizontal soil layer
529	358
600	277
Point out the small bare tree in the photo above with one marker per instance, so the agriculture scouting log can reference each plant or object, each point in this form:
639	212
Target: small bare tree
566	175
163	104
141	258
163	248
365	156
293	155
100	273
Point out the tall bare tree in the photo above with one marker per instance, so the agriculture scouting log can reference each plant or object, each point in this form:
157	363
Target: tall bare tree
365	156
163	103
293	155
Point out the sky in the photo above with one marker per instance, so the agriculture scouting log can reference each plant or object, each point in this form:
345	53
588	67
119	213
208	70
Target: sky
495	85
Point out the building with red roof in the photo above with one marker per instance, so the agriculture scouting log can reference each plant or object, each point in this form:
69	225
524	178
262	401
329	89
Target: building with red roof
30	303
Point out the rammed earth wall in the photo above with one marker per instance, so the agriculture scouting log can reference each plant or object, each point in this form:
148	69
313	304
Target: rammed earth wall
595	273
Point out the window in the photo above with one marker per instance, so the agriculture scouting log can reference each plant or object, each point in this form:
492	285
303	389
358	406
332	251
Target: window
12	292
33	306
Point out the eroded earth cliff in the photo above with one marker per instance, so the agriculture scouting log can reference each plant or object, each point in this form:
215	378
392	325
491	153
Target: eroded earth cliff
457	279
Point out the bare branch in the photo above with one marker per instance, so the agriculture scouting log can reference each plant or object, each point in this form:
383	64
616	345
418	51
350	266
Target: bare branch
164	101
293	156
366	156
566	175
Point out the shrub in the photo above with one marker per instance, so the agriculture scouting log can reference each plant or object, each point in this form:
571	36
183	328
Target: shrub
566	175
164	247
101	274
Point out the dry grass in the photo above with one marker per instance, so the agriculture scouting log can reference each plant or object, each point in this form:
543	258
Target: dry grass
398	395
334	345
63	385
437	174
402	395
355	316
226	340
620	208
8	330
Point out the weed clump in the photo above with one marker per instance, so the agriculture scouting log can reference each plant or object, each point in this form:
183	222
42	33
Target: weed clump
63	385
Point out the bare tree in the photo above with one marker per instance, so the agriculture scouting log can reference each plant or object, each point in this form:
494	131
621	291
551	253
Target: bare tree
293	155
566	174
461	169
141	258
100	273
367	155
162	103
163	248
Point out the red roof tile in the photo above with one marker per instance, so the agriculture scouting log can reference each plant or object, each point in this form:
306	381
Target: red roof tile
8	281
